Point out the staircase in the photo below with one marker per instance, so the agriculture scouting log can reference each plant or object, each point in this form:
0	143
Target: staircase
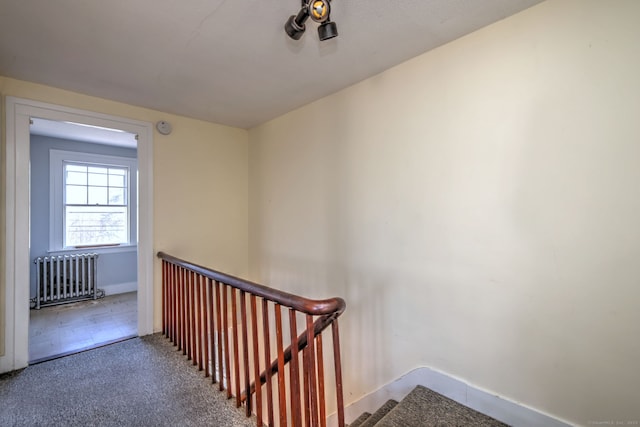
264	346
245	337
421	408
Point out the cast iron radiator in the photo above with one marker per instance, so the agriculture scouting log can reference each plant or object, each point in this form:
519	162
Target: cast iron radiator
67	278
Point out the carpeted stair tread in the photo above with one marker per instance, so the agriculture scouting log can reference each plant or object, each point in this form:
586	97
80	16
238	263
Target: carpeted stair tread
423	407
380	413
362	418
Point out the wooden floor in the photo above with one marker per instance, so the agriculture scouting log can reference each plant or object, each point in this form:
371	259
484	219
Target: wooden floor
65	329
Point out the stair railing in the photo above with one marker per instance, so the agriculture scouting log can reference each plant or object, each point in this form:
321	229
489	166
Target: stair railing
235	331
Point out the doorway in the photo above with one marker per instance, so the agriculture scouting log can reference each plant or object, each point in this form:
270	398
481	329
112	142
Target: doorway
15	299
83	203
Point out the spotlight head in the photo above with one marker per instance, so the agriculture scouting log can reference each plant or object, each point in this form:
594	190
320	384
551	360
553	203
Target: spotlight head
319	10
295	24
294	30
327	30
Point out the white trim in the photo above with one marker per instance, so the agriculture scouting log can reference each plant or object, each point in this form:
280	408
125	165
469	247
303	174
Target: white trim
119	288
146	256
504	410
96	250
16	250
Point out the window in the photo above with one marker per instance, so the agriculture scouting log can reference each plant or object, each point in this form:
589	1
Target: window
96	204
91	200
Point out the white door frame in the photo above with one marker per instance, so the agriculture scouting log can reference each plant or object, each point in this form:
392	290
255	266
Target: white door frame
16	250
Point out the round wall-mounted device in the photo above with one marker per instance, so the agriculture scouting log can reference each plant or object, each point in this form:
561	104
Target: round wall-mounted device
163	127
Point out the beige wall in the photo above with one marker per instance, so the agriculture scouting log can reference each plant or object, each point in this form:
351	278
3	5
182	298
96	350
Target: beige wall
478	208
200	183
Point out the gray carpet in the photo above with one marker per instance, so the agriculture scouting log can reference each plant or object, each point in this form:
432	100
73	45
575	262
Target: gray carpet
139	382
424	407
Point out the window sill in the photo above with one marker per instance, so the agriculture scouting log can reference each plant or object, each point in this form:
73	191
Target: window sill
97	250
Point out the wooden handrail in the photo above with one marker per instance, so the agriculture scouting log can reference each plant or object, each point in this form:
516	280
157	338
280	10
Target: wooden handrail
213	318
298	303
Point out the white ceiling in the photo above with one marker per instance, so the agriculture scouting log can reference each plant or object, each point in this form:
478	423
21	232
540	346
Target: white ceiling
83	133
224	61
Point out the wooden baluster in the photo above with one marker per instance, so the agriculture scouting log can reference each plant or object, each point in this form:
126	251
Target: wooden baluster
199	321
245	352
282	393
174	299
183	317
267	360
164	298
204	326
338	368
167	298
236	360
170	298
312	393
177	303
306	405
170	302
188	305
185	311
176	306
168	273
256	360
321	394
194	319
294	372
204	341
225	319
208	328
219	333
194	336
181	328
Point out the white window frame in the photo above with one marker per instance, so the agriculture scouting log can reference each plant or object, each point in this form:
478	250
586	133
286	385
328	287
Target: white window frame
57	158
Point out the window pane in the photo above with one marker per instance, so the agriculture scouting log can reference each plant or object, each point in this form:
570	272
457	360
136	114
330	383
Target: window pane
93	225
97	195
76	178
118	171
76	195
98	179
116	180
117	196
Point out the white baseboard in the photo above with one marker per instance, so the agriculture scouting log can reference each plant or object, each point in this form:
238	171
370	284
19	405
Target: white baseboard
499	408
119	288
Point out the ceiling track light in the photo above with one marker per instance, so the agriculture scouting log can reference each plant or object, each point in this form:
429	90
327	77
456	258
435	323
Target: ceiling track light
318	11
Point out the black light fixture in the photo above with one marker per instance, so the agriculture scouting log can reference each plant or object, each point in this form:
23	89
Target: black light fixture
318	11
